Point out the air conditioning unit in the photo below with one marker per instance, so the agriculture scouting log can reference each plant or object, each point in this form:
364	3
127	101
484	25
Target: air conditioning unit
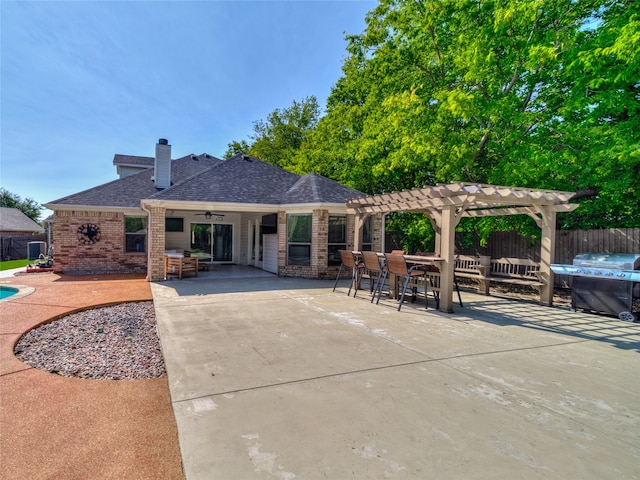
35	249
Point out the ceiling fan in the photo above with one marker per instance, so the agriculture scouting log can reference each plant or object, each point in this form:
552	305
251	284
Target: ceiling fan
209	214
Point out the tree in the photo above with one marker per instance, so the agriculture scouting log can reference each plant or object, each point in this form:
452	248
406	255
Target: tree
236	147
27	206
514	92
278	139
605	101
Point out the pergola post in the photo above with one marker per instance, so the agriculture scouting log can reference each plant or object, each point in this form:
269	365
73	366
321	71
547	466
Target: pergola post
447	225
547	254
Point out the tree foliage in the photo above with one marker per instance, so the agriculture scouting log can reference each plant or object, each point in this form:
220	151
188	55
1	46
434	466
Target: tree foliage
28	206
511	92
278	139
236	147
411	231
527	93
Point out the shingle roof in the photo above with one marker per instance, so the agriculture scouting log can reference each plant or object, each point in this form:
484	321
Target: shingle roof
203	178
240	179
245	179
128	191
13	220
314	188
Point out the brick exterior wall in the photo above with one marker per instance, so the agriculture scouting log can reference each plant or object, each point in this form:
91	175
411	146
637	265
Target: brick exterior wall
105	256
108	255
300	271
320	239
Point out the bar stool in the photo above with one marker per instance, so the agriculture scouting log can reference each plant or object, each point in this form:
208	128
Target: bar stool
349	260
433	273
434	278
397	265
374	268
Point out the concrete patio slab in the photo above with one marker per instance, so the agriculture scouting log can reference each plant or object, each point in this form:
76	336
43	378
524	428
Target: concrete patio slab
282	378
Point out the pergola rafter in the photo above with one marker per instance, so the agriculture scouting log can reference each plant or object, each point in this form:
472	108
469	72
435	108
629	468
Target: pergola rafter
446	204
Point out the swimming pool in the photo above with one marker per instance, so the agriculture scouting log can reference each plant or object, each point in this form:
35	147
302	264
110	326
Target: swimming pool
13	292
6	292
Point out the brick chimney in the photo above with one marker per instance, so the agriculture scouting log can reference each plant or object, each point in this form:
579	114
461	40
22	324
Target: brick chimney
162	164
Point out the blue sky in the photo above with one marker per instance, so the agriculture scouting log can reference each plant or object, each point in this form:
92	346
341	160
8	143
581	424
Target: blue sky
84	80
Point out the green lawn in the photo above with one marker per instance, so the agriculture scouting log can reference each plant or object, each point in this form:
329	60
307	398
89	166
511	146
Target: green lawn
9	264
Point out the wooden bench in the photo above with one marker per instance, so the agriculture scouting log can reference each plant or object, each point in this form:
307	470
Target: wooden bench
519	271
516	271
467	266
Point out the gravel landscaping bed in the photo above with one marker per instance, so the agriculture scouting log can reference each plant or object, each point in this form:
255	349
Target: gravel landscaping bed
118	342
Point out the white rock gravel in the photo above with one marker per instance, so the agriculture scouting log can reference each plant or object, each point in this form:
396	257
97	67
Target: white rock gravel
118	342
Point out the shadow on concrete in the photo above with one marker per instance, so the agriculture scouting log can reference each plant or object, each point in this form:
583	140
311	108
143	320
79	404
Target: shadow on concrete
221	279
211	286
581	325
496	310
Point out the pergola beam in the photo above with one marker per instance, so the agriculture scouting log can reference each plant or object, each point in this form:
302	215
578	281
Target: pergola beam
498	211
459	194
477	210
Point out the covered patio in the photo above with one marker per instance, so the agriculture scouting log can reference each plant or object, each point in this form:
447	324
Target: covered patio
446	205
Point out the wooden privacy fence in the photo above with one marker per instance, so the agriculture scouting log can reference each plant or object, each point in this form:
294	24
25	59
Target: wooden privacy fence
568	245
15	247
617	240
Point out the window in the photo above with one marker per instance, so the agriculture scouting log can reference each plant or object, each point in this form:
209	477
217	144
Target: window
337	238
135	234
367	234
173	225
299	240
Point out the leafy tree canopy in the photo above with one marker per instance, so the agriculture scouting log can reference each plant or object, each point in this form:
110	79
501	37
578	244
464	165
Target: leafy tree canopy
27	206
237	147
278	139
511	92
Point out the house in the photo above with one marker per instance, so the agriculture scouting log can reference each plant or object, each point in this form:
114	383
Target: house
240	210
17	233
14	223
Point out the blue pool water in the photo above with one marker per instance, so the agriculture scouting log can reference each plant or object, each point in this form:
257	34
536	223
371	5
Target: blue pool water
7	291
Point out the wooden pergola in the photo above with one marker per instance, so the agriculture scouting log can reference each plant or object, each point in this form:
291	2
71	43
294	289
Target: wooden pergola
445	205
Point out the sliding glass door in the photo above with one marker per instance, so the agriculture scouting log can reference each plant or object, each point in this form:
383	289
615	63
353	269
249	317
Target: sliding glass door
212	242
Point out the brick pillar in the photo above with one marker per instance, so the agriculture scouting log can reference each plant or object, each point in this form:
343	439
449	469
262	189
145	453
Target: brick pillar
282	240
319	240
351	223
156	244
377	234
